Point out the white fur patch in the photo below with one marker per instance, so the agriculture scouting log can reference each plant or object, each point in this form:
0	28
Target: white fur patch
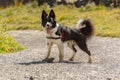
53	31
48	23
79	24
52	34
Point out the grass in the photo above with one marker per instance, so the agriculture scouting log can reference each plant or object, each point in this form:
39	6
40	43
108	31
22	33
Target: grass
105	20
8	44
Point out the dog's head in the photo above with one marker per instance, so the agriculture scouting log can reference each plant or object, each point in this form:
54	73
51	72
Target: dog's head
48	21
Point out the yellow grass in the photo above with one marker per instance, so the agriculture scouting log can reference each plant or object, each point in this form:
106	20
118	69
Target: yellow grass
106	21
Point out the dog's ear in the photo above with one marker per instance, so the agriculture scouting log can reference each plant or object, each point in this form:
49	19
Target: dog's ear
52	13
44	14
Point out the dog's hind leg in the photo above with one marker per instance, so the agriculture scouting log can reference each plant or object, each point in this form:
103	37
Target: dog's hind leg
49	50
85	49
71	45
81	42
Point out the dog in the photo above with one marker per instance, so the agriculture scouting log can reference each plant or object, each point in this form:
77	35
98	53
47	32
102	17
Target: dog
58	34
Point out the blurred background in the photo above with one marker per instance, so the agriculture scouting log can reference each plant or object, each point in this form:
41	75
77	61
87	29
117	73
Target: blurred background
77	3
26	15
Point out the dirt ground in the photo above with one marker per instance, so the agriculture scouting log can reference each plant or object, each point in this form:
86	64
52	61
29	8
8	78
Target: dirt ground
28	65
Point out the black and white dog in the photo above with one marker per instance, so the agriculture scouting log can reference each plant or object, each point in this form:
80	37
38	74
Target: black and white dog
58	34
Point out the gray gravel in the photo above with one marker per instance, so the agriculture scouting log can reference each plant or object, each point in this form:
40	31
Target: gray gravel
27	65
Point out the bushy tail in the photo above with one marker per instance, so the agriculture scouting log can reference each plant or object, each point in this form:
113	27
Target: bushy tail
86	27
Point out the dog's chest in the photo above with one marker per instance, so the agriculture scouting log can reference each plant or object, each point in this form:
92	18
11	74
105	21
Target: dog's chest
52	33
56	38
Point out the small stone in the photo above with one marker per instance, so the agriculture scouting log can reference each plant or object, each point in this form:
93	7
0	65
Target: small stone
108	79
31	78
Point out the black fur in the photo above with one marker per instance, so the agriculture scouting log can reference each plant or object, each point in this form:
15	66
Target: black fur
88	30
73	47
74	34
48	18
79	35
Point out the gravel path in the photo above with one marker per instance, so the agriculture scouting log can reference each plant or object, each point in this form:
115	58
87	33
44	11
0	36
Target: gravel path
27	65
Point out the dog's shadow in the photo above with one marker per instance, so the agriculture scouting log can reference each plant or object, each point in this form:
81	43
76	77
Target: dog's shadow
33	62
41	62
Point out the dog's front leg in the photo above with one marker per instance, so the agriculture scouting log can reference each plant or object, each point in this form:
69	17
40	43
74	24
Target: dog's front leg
49	50
61	51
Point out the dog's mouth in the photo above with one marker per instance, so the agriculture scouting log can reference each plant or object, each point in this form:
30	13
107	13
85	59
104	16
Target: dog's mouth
48	30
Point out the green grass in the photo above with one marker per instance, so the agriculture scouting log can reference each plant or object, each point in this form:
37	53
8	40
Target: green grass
8	44
105	20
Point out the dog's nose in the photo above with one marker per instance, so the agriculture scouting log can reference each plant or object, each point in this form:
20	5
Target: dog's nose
47	25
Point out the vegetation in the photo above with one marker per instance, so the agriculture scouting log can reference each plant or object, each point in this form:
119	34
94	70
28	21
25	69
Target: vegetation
77	3
8	44
106	20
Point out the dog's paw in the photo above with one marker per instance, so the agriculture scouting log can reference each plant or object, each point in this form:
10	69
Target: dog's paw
49	60
71	59
44	60
60	61
90	60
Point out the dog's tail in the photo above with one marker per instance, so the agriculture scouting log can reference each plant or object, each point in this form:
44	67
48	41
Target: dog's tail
86	27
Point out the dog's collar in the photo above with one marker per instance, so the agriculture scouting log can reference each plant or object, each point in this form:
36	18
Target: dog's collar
53	37
62	34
